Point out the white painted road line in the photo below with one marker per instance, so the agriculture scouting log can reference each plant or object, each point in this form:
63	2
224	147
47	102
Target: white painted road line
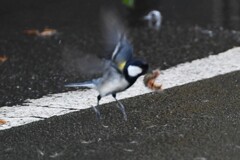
62	103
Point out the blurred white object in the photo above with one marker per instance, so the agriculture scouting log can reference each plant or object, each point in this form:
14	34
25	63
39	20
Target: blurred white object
154	19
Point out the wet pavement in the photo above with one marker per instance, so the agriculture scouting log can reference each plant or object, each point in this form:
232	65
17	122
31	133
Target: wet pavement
195	121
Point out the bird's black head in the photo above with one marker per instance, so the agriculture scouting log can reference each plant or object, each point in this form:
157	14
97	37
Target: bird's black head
135	69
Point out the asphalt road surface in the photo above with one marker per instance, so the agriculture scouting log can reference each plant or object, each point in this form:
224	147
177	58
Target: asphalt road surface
197	121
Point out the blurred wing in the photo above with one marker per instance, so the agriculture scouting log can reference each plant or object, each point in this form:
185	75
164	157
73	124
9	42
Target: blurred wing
123	52
115	39
77	62
111	28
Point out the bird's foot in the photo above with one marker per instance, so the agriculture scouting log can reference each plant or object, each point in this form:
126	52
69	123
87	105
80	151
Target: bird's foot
98	114
122	108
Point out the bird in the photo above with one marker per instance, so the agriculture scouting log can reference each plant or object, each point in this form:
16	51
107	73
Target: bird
121	72
154	19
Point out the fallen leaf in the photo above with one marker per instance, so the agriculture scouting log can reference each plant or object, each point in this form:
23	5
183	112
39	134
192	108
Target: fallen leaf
2	122
150	78
31	32
3	58
46	32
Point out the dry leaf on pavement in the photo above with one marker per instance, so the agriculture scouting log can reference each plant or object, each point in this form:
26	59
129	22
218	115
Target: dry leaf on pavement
150	80
3	58
2	122
46	32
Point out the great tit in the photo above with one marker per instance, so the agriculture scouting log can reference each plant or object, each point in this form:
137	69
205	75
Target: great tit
122	72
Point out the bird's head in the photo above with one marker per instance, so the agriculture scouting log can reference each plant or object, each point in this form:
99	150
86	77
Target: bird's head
135	69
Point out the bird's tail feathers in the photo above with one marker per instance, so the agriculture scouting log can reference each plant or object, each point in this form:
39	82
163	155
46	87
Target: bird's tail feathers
87	84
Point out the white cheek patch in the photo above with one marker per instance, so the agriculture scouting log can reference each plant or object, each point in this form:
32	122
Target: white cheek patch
134	70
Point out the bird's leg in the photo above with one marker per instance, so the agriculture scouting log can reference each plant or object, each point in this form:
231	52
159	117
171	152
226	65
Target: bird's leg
121	107
96	108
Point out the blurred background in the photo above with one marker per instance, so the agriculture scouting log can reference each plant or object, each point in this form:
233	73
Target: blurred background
29	13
